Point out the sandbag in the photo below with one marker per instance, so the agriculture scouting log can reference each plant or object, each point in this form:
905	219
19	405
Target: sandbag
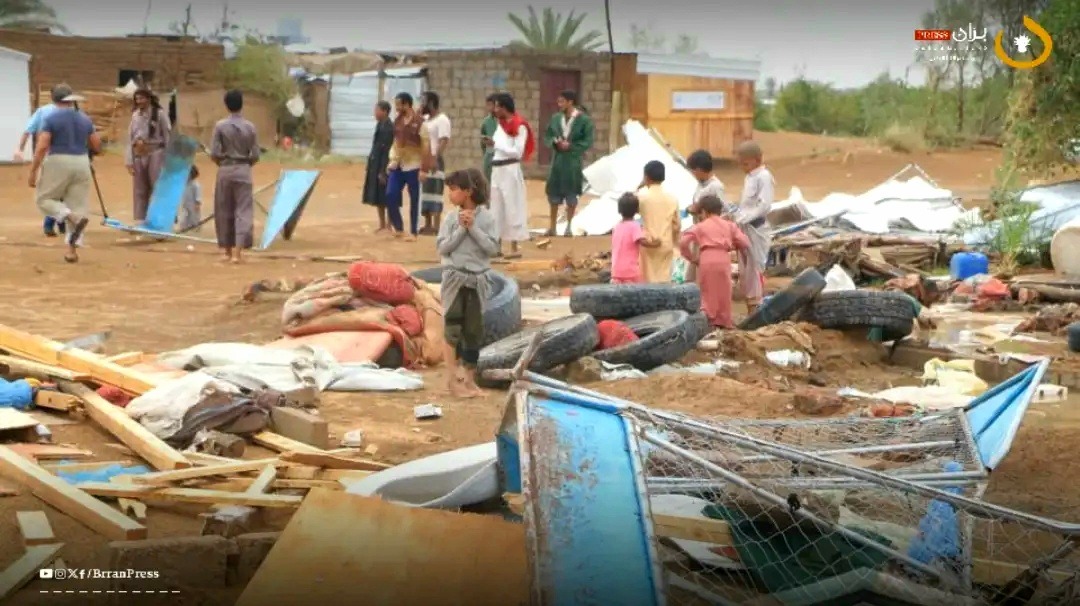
614	333
384	282
1063	247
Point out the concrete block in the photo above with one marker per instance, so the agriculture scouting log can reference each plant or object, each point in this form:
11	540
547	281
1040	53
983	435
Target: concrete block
301	426
253	549
199	562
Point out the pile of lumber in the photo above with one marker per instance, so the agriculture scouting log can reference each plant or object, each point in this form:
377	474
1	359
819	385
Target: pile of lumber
109	110
116	509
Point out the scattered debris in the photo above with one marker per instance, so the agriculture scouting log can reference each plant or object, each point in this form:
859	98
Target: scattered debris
427	411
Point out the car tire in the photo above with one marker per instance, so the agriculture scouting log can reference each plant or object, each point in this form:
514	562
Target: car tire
621	301
664	337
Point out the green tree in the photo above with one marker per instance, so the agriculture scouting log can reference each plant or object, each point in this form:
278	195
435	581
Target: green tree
551	31
28	14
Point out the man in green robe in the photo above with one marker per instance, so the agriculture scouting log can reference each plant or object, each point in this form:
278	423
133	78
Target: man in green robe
570	135
487	130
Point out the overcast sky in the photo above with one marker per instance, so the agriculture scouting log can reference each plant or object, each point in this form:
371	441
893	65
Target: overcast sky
845	42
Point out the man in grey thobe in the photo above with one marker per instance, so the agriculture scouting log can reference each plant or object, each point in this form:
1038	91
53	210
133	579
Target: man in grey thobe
235	149
148	135
751	216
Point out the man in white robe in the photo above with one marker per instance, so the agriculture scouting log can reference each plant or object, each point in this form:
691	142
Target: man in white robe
512	143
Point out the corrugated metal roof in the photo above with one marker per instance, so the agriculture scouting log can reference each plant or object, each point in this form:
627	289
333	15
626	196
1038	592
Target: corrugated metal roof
700	66
445	46
14	53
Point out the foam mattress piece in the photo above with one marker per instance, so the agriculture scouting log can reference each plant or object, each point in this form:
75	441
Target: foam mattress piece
345	346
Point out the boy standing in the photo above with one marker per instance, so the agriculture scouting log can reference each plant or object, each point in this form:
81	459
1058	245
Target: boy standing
660	218
757	198
235	149
700	164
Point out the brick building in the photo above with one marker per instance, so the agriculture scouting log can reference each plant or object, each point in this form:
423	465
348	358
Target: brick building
464	79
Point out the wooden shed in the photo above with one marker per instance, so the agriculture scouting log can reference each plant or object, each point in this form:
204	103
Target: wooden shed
694	102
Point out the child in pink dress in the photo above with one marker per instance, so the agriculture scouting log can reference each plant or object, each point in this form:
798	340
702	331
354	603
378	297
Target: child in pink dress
715	238
626	241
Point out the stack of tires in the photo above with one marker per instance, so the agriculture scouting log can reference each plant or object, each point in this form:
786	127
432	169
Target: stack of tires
891	312
665	318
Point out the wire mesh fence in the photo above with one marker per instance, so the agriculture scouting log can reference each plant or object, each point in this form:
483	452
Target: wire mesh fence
820	512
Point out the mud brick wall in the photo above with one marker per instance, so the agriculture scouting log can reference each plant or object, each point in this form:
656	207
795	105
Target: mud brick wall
95	63
464	79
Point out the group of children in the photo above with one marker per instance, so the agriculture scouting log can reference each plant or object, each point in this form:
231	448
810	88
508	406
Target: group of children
641	252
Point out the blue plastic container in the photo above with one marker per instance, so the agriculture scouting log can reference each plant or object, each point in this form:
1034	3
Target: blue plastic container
966	264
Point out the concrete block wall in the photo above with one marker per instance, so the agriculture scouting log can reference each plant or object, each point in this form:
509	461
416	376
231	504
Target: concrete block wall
464	79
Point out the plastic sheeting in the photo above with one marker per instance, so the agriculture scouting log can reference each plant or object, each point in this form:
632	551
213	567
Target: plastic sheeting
293	190
352	103
1059	204
914	204
171	183
621	172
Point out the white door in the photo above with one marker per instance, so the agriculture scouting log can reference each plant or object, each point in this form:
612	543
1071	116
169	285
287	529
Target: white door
14	101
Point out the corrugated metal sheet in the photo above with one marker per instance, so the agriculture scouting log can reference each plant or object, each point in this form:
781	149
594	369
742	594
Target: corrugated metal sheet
700	66
352	99
351	123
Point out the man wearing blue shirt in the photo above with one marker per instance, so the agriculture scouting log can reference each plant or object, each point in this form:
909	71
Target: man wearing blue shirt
63	157
37	120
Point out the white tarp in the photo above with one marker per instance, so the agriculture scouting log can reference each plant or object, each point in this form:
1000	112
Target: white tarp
1059	204
914	204
621	172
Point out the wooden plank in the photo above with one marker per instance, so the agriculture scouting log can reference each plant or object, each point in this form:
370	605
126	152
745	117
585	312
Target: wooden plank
127	358
26	568
202	458
38	452
300	425
35	528
113	418
17	367
263	482
167	477
329	461
187	495
77	361
70	500
54	400
340	548
243	484
133	508
315	473
279	443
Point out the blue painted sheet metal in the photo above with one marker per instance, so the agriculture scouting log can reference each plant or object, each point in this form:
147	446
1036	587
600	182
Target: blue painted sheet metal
142	231
586	514
995	416
170	185
293	189
507	449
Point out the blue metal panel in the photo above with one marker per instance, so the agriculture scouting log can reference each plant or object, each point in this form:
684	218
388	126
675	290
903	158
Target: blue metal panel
508	450
293	189
586	512
170	185
995	415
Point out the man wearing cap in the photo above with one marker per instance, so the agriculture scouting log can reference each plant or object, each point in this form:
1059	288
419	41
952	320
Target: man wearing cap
33	127
62	155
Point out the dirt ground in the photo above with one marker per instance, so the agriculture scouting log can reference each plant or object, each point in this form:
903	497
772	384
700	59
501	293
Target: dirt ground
161	296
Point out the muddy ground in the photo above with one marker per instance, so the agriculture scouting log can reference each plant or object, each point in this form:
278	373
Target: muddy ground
161	296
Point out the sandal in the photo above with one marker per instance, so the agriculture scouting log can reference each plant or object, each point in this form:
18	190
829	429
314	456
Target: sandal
71	257
77	230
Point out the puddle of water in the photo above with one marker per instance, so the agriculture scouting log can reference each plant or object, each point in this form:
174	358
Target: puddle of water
966	331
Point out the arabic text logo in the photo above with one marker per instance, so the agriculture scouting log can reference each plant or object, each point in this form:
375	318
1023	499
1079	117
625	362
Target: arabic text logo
1022	42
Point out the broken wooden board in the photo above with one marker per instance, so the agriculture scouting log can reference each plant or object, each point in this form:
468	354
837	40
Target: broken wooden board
128	358
117	422
49	452
300	425
26	568
341	548
316	473
245	484
78	361
69	499
91	466
187	495
279	443
35	528
165	478
54	400
17	367
329	461
264	481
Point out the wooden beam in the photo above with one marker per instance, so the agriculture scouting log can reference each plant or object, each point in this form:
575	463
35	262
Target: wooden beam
300	425
188	495
329	461
279	443
202	458
164	478
70	500
303	472
35	528
117	422
77	361
68	467
26	568
54	400
127	358
12	366
263	482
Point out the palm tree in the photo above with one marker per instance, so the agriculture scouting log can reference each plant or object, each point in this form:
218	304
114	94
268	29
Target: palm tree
28	14
554	32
